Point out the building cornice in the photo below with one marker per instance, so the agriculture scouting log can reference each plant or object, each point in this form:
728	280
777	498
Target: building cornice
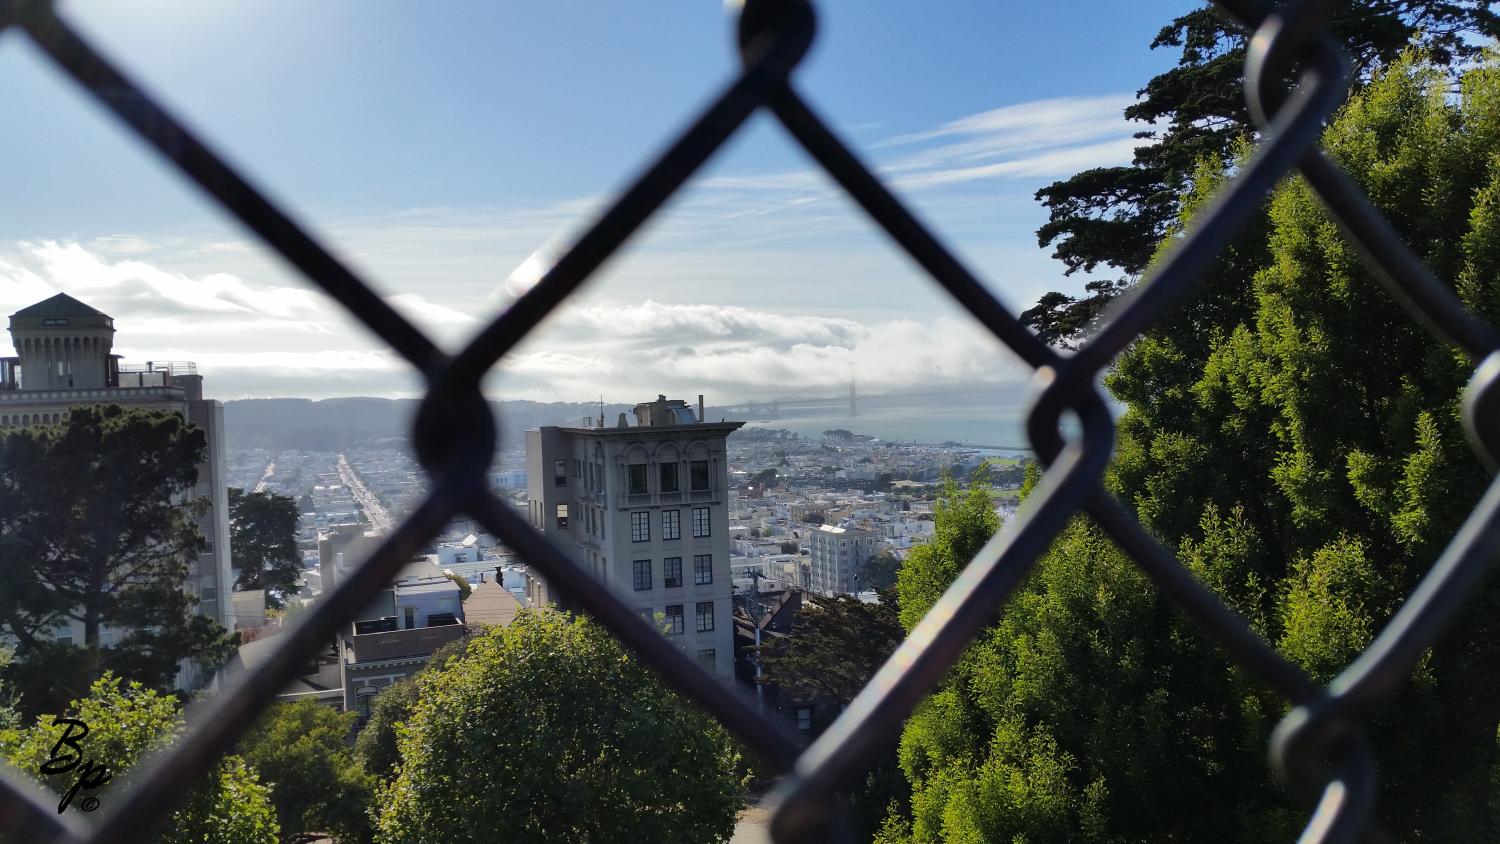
639	432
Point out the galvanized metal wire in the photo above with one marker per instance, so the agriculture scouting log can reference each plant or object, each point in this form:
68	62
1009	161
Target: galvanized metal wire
1319	747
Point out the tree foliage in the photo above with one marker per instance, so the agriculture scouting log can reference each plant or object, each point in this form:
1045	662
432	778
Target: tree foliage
880	570
548	730
9	717
301	752
126	722
835	646
964	519
97	528
1114	217
376	746
263	543
1295	438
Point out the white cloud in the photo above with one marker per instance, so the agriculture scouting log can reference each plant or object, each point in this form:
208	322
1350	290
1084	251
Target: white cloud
130	285
679	324
1051	164
1042	138
735	352
1034	124
419	309
242	343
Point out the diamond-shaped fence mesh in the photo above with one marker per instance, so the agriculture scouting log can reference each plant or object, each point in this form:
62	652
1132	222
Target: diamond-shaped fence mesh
1319	748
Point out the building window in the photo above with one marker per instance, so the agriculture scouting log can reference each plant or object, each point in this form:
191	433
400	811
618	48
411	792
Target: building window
671	524
669	477
705	616
559	473
703	569
641	571
804	718
638	479
700	521
699	470
562	515
671	572
707	659
675	620
640	526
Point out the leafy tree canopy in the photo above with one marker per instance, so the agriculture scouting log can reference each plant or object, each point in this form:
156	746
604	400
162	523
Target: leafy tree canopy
548	730
964	519
376	747
301	752
126	722
881	570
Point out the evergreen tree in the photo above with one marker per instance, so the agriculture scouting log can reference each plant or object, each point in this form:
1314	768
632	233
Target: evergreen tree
263	543
97	528
1294	436
1113	217
836	645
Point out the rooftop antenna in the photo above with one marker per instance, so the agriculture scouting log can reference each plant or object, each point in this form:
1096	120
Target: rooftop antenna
601	410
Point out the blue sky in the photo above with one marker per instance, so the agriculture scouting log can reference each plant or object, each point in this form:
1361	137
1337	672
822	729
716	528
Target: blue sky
438	146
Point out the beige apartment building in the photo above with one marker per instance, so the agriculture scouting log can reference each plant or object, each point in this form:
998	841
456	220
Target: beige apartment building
643	507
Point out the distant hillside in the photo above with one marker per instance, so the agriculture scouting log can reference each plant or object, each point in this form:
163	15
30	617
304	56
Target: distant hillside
984	413
330	424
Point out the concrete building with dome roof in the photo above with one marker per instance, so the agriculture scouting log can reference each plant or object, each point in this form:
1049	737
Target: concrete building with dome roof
64	358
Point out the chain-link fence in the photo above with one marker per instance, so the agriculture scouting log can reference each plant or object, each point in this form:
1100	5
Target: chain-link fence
1319	748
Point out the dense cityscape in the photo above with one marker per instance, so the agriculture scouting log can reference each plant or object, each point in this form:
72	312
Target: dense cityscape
785	487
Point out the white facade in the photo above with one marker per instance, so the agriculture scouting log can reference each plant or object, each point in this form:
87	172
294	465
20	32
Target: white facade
64	359
837	555
645	509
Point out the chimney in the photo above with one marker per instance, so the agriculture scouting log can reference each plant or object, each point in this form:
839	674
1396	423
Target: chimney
700	408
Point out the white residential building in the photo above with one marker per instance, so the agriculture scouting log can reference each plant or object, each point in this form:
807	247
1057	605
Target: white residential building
644	507
838	554
64	359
